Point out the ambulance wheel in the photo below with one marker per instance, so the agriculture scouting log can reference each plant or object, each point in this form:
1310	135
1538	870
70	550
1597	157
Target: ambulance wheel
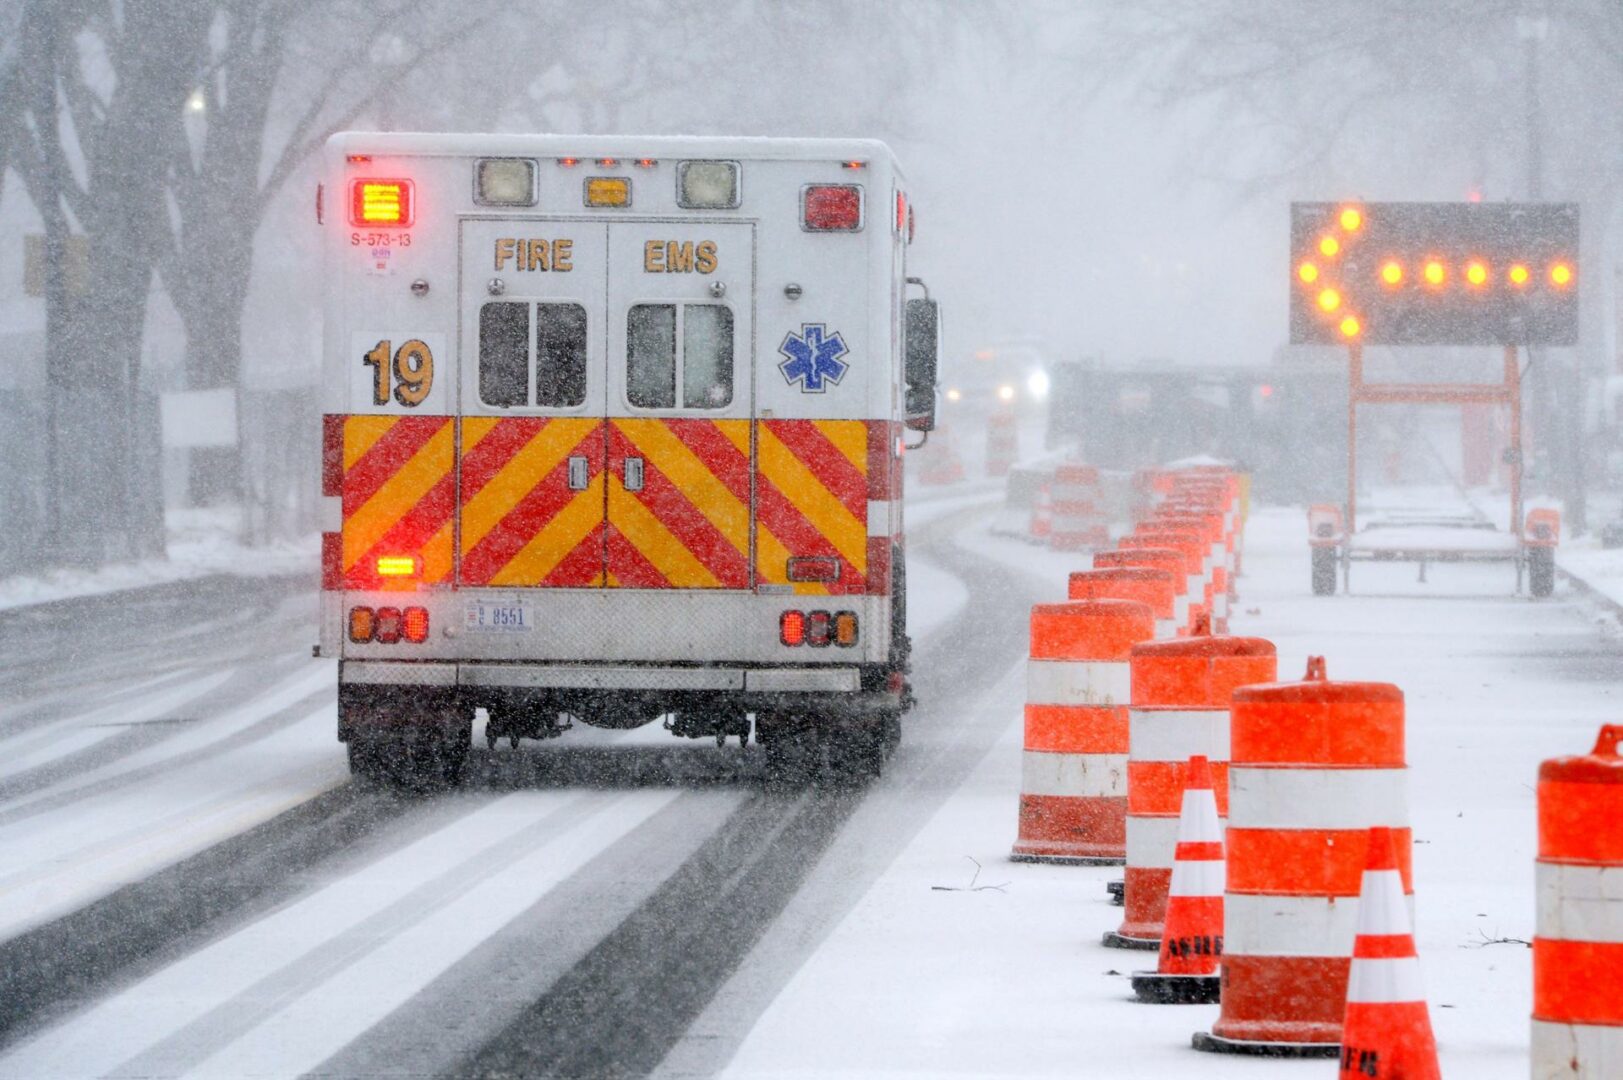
1324	571
1541	571
419	759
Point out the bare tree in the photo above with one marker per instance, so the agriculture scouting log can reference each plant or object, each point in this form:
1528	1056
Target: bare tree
277	78
1385	98
90	146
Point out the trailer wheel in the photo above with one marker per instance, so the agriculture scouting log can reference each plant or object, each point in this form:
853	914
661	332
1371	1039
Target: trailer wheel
1324	571
1541	571
420	758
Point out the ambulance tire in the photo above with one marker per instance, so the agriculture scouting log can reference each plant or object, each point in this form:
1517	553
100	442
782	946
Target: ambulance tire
420	759
1324	571
1541	571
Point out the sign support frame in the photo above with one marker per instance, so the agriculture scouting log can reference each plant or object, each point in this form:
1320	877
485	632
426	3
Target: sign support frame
1508	392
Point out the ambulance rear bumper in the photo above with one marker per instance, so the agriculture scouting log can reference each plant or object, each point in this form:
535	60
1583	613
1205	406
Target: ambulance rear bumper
601	677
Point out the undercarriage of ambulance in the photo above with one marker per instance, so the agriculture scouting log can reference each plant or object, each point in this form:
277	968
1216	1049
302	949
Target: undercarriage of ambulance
412	723
412	732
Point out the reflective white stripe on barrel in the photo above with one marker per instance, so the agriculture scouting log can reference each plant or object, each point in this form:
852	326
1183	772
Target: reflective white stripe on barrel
1078	682
1295	799
1083	775
1196	585
1177	734
1180	609
1151	841
1290	925
1578	903
1166	628
1220	604
1556	1046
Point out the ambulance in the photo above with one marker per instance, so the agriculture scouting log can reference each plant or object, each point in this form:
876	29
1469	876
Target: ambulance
613	433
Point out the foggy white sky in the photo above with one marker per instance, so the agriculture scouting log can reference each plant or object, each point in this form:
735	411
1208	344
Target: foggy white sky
1055	199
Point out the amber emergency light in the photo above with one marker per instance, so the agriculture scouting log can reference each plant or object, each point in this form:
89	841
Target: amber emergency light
1434	273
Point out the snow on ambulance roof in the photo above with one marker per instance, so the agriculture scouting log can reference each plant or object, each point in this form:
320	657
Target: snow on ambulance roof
620	146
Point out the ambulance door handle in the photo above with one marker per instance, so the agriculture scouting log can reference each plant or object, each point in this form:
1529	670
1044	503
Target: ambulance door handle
580	473
633	474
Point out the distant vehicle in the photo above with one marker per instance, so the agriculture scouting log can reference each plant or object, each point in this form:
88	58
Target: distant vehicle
613	432
999	375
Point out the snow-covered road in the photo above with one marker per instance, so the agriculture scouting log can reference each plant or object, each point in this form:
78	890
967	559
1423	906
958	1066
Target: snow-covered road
189	885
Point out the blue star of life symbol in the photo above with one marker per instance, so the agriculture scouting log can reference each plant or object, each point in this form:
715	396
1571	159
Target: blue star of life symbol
813	358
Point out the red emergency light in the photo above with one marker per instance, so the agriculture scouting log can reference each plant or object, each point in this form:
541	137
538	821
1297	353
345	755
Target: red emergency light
832	207
387	203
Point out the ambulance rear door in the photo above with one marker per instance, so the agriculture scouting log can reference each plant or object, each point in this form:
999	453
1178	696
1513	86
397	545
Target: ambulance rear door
532	444
680	440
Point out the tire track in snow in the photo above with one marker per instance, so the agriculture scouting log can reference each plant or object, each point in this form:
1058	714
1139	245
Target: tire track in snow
84	742
81	956
89	642
280	1023
621	1009
260	716
469	1004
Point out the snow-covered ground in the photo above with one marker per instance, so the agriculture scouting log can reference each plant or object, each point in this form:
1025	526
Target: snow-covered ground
928	977
927	967
201	542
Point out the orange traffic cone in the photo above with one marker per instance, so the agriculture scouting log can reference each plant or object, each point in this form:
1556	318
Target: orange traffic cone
1192	938
1387	1031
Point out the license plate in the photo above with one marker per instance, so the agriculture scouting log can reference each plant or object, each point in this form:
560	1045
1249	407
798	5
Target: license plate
501	618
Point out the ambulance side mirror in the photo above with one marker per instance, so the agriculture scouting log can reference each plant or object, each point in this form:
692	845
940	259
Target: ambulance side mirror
921	350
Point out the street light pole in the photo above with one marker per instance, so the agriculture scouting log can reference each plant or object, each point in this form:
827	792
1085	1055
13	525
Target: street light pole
1563	451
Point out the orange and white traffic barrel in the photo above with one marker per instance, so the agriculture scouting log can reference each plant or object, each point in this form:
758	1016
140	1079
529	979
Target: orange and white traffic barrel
1204	521
1193	550
1002	443
1180	709
1042	514
1078	521
1154	559
1578	944
1148	585
1073	797
1314	765
1208	521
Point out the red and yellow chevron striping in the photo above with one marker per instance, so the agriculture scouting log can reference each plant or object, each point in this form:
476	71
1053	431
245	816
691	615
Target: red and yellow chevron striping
505	494
522	525
812	500
688	525
398	494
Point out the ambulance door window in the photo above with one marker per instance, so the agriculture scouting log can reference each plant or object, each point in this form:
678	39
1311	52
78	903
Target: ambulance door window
707	356
560	355
504	332
651	356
